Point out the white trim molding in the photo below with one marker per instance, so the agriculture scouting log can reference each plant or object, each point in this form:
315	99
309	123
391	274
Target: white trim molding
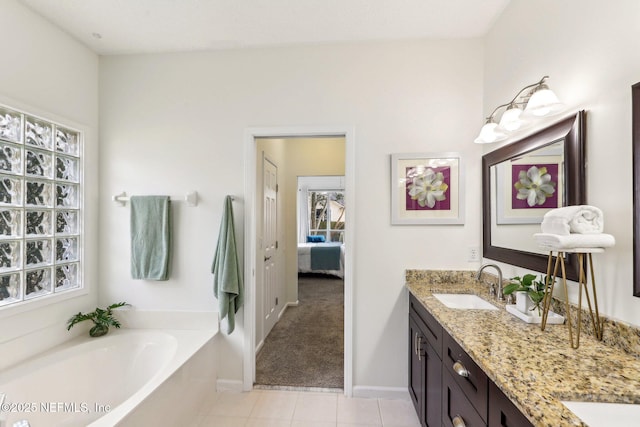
234	386
372	392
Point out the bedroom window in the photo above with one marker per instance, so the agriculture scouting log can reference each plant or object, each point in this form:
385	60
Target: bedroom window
327	215
40	215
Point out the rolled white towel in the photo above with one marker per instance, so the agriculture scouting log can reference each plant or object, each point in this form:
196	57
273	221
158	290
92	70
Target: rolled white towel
581	219
574	241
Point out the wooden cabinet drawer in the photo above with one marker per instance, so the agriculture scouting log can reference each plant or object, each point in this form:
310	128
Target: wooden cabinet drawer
502	412
433	329
455	404
468	376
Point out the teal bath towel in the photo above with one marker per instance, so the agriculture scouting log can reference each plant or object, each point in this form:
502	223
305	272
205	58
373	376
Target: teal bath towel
150	237
227	276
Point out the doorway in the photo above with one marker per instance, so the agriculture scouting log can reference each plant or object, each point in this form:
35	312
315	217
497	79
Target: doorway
305	349
252	338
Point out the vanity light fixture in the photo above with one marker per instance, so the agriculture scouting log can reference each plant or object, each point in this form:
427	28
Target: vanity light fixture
535	100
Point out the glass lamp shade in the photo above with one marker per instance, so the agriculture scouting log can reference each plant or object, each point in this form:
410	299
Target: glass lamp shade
544	103
490	133
512	120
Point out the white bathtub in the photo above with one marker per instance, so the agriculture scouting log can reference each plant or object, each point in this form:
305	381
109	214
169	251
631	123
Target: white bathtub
106	381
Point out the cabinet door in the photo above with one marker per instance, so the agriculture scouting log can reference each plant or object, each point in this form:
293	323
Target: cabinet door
417	364
433	388
431	328
502	412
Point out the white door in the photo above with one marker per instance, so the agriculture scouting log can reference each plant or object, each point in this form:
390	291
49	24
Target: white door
270	249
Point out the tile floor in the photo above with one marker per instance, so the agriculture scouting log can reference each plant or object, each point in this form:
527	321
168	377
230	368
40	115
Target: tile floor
275	408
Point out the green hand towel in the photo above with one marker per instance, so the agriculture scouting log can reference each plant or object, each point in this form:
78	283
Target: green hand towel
227	276
150	237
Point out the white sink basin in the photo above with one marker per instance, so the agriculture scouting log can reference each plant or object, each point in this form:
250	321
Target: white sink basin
464	301
605	414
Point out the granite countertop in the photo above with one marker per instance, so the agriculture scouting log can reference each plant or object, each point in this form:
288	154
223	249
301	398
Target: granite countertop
536	369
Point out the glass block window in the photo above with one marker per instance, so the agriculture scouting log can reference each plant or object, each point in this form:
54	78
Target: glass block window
40	207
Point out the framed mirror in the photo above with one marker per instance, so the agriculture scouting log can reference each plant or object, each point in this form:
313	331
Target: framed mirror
509	222
635	134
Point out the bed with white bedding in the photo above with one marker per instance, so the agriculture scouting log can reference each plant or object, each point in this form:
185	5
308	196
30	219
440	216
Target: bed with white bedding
324	258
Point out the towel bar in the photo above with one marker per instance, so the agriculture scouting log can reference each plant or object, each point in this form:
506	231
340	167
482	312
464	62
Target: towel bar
190	198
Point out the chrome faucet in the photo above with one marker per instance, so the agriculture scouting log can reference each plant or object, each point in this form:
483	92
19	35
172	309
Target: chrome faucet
499	295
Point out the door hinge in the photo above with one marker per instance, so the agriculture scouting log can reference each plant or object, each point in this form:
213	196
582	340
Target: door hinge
276	300
277	188
276	244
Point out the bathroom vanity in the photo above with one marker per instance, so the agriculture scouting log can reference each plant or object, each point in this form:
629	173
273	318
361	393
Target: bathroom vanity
479	367
447	387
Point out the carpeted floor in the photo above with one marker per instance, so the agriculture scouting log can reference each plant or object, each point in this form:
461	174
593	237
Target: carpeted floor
306	347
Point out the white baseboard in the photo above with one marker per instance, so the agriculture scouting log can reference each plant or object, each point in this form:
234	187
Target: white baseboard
229	385
282	311
287	305
398	393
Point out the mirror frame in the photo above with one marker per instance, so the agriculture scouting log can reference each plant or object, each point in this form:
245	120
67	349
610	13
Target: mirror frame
572	130
635	134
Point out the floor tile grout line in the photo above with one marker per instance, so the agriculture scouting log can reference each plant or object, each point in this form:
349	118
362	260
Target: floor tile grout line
379	412
274	392
253	414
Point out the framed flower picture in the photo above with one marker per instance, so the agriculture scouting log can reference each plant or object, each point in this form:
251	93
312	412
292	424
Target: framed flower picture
426	189
528	187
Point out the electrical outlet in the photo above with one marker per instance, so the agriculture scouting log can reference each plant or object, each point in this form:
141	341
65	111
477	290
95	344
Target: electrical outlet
473	253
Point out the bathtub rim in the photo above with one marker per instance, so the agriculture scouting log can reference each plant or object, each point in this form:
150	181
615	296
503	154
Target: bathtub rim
189	342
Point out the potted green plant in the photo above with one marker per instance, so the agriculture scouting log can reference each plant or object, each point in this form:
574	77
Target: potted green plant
101	318
529	292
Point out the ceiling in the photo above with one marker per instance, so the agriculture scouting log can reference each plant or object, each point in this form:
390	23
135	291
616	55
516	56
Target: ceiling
110	27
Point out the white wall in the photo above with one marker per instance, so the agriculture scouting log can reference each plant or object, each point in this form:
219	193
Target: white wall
47	73
175	122
589	50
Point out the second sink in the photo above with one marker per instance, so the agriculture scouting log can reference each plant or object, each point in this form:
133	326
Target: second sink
465	301
605	414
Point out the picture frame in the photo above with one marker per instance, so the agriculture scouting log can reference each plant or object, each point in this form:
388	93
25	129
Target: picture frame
510	209
427	188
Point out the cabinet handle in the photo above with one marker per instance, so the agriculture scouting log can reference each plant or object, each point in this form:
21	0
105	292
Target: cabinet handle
459	369
415	343
418	348
458	421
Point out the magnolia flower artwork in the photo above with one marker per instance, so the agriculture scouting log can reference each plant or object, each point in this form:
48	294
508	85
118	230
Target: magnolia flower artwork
427	188
535	186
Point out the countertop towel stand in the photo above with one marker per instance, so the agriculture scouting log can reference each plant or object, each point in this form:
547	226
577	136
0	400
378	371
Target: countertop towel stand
596	322
190	198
